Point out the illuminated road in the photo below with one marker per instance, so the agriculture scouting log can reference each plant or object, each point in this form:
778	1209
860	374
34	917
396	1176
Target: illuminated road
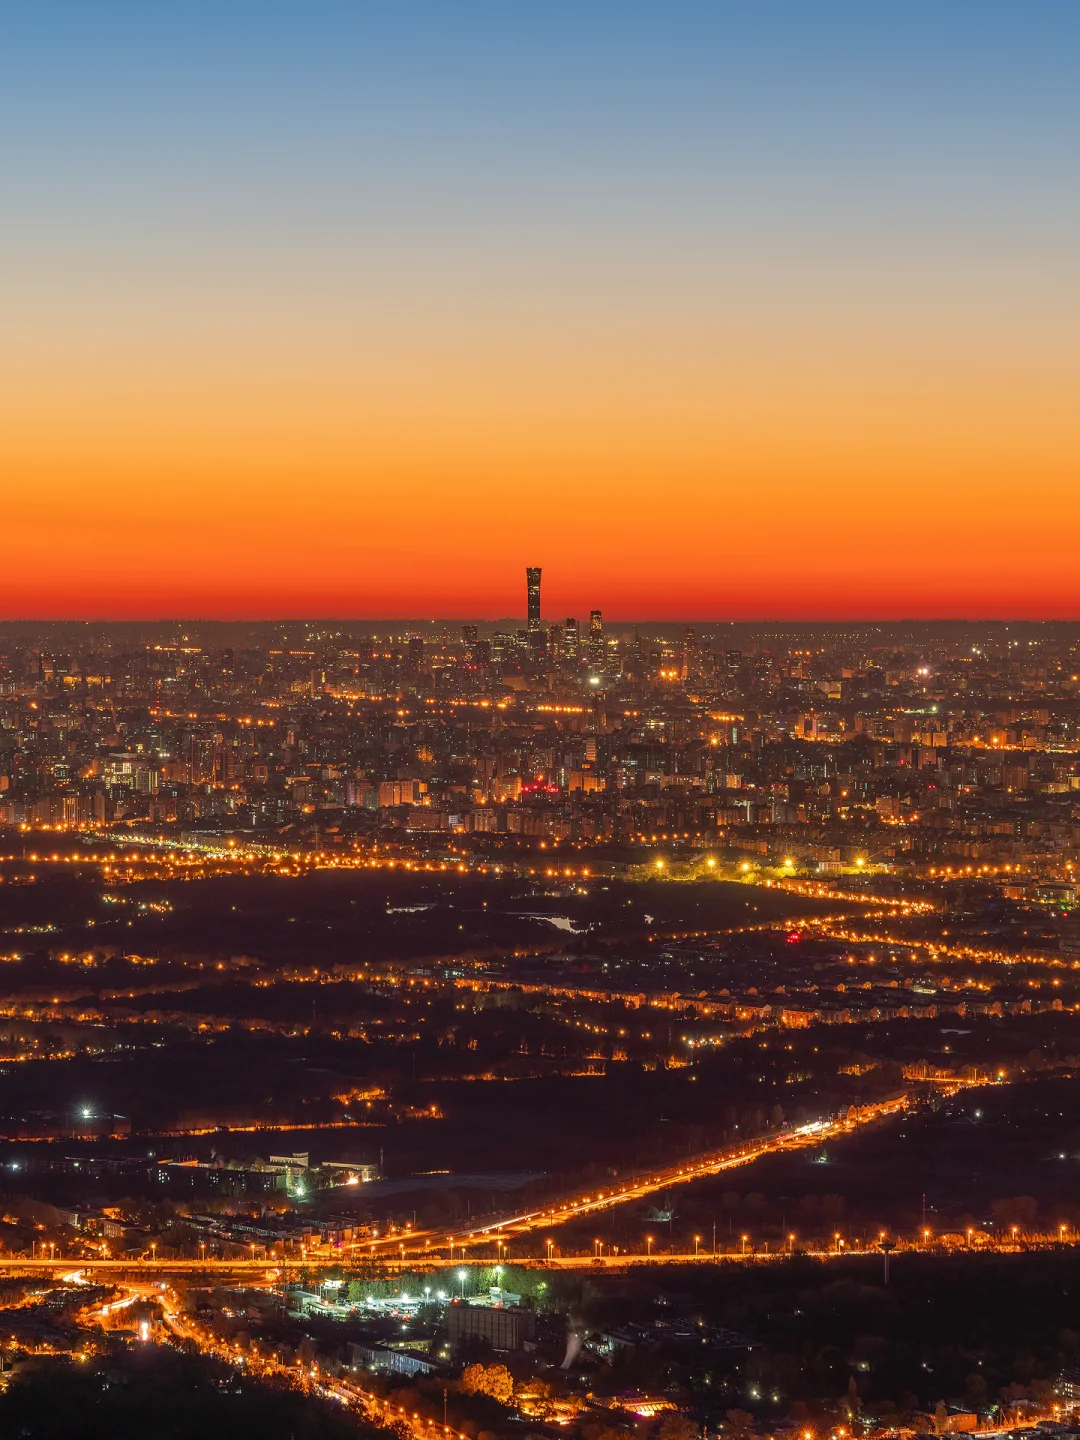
433	1247
428	1245
716	1162
17	1264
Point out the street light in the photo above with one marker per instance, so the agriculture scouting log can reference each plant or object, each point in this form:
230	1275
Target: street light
697	1242
550	1245
791	1244
744	1239
886	1246
463	1275
648	1245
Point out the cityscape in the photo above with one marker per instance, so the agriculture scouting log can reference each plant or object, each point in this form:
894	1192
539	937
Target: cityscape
436	1020
539	721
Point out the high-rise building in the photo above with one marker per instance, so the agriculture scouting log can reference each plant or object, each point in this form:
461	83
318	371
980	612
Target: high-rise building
596	639
532	581
537	639
570	638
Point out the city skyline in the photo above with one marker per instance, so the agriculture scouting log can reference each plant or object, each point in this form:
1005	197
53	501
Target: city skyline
728	313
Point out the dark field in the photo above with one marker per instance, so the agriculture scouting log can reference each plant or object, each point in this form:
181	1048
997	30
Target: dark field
332	918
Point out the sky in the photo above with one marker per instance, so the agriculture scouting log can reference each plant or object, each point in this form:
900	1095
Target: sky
714	310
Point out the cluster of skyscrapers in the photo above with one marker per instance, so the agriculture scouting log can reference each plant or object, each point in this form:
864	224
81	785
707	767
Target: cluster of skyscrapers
563	642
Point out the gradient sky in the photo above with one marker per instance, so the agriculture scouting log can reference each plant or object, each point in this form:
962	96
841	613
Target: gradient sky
715	310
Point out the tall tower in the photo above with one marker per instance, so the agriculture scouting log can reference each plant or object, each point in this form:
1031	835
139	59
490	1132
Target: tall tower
532	578
596	640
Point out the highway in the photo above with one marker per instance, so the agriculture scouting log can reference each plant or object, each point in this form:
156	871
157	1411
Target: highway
502	1230
145	1265
261	1272
496	1235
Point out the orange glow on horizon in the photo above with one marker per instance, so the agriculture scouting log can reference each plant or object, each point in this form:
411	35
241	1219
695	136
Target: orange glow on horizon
797	479
714	314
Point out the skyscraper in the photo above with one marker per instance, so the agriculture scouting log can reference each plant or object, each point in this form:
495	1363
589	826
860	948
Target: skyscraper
532	579
537	639
570	638
596	639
